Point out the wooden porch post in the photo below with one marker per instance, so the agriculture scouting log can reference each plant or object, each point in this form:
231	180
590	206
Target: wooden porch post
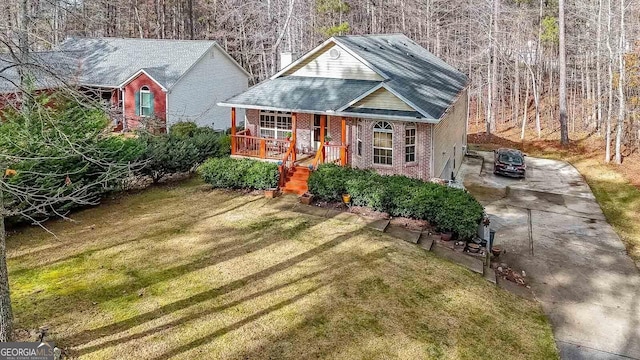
323	124
233	130
343	148
294	127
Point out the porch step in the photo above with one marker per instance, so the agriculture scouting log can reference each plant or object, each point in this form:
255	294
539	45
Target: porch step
296	181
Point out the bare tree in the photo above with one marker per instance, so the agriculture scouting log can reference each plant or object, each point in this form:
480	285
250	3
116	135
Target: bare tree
562	90
32	138
607	156
621	77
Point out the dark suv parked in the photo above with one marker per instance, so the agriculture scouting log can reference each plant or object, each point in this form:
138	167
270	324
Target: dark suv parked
509	162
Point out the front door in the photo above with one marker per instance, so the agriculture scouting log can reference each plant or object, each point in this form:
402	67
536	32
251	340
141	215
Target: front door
316	131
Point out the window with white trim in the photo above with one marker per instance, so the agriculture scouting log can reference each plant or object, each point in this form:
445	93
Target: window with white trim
145	101
359	138
383	143
410	142
274	124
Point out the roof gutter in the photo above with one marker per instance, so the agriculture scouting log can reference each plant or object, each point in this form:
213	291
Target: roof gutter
332	113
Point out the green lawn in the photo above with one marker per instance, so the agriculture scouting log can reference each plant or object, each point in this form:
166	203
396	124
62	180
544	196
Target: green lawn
183	271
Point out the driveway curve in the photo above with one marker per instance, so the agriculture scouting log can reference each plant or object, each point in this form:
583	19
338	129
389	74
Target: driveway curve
552	228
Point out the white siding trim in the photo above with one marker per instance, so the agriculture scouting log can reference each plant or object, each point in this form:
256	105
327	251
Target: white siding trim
301	59
311	53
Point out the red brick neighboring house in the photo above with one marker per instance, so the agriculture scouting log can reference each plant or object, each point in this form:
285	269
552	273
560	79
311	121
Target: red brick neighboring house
141	80
385	102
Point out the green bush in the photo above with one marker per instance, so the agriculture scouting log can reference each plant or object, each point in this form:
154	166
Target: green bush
239	174
182	150
449	209
64	156
183	129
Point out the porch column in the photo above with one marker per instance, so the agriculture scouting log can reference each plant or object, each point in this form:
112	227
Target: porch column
294	136
343	148
233	130
323	124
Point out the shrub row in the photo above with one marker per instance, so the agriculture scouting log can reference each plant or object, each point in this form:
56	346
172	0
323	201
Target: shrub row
239	173
182	150
449	209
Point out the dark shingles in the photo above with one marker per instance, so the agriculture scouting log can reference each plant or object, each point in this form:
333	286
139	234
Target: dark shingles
414	73
429	84
107	62
49	69
110	61
303	93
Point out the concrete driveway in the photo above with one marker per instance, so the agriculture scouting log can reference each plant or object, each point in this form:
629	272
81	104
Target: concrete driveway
553	229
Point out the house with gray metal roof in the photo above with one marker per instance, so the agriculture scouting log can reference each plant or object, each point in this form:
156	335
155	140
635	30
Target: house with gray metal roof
165	80
368	101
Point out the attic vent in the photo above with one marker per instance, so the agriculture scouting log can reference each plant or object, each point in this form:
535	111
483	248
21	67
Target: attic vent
334	53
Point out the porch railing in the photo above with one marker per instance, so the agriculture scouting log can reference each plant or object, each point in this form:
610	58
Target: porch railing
288	162
336	154
264	148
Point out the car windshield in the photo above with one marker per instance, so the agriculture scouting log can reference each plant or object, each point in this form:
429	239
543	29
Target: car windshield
510	158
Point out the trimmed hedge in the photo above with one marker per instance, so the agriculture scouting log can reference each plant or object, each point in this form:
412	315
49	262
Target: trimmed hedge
449	209
239	173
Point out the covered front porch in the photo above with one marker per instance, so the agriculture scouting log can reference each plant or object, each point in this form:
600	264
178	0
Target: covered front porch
283	137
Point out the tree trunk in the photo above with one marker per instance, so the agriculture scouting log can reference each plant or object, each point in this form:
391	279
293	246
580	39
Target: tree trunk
599	69
621	99
190	10
537	91
6	314
23	43
607	152
526	106
562	90
491	126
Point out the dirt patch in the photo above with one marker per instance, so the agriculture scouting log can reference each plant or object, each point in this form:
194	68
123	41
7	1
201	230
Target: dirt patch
408	223
411	224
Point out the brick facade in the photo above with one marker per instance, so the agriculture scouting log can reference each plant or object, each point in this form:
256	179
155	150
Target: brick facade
421	168
131	89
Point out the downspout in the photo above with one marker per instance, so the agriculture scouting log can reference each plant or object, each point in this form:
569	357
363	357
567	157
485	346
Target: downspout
431	162
166	111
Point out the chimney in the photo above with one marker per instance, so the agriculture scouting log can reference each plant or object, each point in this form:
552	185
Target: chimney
286	58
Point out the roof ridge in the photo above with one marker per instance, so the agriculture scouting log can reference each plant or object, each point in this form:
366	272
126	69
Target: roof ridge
138	39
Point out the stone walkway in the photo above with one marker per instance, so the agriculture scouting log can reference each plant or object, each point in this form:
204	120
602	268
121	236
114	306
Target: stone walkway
552	228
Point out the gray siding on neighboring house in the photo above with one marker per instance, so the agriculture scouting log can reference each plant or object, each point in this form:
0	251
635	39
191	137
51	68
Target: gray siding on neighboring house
449	136
194	97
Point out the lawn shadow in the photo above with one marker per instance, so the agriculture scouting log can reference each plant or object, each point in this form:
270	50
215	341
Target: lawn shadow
91	335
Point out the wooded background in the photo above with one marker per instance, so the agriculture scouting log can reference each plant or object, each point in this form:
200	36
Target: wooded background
509	48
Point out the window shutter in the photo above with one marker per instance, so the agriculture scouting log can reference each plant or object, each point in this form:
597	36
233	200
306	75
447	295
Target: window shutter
152	113
137	97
